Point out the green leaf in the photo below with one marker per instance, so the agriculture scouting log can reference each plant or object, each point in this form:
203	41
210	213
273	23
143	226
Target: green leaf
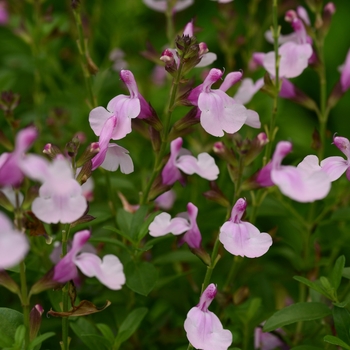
341	318
346	273
106	332
81	327
294	313
138	218
38	340
313	285
144	227
336	341
129	326
109	240
179	255
140	277
124	220
20	335
101	342
337	272
10	320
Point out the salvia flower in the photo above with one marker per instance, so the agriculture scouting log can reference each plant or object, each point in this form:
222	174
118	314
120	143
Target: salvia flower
345	73
109	270
184	223
123	108
162	5
218	111
305	183
181	159
268	341
10	170
337	166
203	328
14	245
60	196
241	237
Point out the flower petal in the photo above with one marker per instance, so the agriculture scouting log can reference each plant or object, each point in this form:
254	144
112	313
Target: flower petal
117	156
97	118
334	167
163	224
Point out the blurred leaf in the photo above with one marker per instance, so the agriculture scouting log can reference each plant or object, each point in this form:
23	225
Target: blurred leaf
129	326
124	220
109	240
346	273
106	332
341	318
144	227
39	339
140	277
19	336
176	256
306	347
295	313
81	328
10	320
337	272
336	341
313	285
138	218
96	339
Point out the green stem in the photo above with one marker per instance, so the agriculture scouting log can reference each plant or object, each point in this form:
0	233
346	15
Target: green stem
164	137
84	58
65	296
23	277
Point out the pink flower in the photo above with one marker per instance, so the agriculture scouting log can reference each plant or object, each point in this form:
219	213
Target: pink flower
10	170
305	183
123	108
181	159
218	111
14	245
109	270
166	200
247	90
111	155
4	15
185	222
345	73
335	167
60	196
203	328
241	237
267	341
162	5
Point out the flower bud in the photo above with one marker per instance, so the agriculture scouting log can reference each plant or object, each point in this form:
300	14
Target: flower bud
88	154
51	150
225	153
85	172
72	147
8	102
216	195
7	282
35	321
256	147
45	283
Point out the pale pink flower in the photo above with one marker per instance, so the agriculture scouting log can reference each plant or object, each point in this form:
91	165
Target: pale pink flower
203	328
183	223
10	170
218	111
181	159
344	69
268	341
166	200
109	270
241	237
14	245
162	5
336	166
60	196
305	183
247	90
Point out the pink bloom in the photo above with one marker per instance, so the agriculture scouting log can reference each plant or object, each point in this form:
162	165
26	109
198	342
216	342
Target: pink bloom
203	328
166	200
4	16
241	237
109	270
305	183
345	73
247	90
337	166
10	171
185	222
123	108
219	112
267	341
14	245
111	155
60	196
302	13
181	159
162	5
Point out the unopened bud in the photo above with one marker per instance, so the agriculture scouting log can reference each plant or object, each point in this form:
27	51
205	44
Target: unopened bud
8	102
85	172
7	282
290	16
35	320
216	195
203	48
72	147
256	147
225	153
167	57
51	150
88	154
46	282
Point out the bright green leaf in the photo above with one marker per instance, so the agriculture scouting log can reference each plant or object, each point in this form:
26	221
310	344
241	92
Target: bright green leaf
106	332
129	326
138	219
141	277
336	341
39	339
313	285
295	313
